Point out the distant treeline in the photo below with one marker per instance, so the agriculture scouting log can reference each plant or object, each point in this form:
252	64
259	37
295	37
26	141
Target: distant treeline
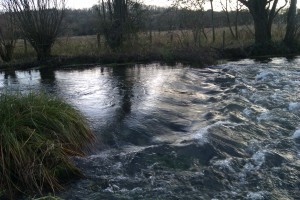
86	21
81	22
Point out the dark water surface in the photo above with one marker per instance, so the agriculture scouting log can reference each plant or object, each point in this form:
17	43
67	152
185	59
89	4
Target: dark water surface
226	132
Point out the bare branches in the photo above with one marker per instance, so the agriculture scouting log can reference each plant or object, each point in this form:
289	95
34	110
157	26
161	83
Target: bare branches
113	19
39	21
227	8
119	20
194	4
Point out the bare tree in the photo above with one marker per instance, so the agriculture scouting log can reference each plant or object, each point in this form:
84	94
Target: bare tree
263	13
114	16
228	8
39	21
7	34
119	20
194	22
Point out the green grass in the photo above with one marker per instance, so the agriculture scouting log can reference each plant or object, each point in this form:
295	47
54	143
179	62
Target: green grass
38	135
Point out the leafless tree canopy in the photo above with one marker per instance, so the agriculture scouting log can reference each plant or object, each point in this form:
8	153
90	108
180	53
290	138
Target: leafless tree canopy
39	21
191	4
114	15
232	6
119	20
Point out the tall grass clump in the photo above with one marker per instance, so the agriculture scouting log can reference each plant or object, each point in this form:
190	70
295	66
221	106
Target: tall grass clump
38	135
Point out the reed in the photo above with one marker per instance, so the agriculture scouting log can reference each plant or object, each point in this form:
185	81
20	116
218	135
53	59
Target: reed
38	135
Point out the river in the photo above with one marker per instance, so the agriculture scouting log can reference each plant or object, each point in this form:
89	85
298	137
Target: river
230	131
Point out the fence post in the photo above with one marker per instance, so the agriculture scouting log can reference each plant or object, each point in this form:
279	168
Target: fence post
171	37
99	40
150	36
25	47
223	40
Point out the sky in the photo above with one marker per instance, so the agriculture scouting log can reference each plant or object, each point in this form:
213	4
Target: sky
76	4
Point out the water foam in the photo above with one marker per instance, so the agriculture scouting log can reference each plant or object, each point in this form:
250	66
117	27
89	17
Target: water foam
262	76
225	164
294	106
202	133
296	135
255	195
258	160
247	112
264	116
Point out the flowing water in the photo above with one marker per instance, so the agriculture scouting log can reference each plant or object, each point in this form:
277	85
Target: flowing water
225	132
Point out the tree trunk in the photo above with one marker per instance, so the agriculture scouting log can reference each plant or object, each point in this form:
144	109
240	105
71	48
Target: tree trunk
6	52
291	24
213	20
263	13
43	52
261	22
262	31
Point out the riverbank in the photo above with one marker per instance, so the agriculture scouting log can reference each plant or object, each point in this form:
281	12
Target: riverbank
197	56
162	47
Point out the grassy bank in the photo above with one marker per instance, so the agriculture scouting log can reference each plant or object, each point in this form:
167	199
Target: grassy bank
165	46
169	47
38	135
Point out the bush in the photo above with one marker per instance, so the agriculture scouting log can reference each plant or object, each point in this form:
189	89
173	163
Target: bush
38	136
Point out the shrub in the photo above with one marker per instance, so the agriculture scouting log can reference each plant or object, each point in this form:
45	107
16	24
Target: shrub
38	136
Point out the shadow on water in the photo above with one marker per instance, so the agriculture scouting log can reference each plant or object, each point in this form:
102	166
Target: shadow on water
125	127
125	87
10	74
10	77
47	76
124	83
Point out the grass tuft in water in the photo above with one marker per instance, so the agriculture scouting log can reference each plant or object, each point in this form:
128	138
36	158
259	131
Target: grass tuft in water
38	135
48	197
